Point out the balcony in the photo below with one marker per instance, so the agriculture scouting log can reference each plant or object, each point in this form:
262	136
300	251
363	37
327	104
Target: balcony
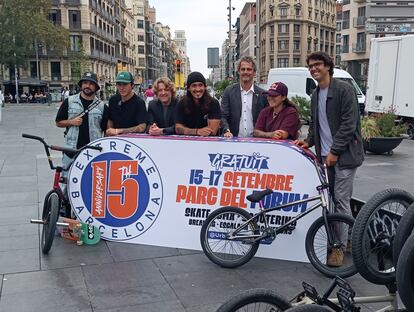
359	47
359	22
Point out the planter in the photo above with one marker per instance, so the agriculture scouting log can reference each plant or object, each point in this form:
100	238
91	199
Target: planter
382	145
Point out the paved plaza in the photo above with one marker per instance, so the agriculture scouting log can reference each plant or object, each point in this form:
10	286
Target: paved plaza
123	277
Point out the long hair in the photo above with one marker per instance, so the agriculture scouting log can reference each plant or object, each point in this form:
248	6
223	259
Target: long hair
289	103
189	102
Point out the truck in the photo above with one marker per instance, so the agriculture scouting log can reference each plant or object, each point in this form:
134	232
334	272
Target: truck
300	82
391	65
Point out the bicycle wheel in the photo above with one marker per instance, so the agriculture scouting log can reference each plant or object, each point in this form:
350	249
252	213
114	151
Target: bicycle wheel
318	248
405	273
404	230
374	232
256	300
49	217
228	253
309	308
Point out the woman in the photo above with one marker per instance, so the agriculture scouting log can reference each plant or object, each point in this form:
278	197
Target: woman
280	120
197	112
161	111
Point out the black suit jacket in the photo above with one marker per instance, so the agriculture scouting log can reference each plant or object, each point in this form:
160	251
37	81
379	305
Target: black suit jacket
231	107
156	115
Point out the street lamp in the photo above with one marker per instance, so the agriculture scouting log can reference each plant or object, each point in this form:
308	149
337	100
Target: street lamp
15	70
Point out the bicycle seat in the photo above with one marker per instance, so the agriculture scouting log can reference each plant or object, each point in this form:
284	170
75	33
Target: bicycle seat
257	196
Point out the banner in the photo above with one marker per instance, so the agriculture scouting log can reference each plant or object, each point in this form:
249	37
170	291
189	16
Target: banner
159	190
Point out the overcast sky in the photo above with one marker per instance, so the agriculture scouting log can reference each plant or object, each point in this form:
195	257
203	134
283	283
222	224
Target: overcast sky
205	24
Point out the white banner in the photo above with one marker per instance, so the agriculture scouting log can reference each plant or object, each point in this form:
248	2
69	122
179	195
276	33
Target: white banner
158	190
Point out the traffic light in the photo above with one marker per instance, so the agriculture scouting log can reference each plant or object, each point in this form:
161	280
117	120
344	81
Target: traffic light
178	65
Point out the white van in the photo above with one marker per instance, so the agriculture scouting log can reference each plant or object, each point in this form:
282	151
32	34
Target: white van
300	82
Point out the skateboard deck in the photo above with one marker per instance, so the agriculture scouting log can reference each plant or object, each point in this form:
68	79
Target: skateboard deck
81	233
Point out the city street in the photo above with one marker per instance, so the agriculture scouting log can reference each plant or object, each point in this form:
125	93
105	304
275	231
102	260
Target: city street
124	277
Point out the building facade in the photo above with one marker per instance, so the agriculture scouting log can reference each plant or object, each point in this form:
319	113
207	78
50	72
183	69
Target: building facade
291	29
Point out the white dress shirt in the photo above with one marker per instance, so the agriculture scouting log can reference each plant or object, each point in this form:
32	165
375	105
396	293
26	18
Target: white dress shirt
246	126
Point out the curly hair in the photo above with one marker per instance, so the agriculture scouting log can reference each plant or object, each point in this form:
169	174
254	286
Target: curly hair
169	85
322	56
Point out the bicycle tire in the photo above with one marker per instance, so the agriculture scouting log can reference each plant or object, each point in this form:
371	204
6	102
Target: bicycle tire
317	253
258	298
405	273
45	203
404	230
224	256
309	308
50	217
374	232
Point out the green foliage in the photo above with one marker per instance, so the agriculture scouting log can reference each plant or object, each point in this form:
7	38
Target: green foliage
220	86
23	21
304	107
382	125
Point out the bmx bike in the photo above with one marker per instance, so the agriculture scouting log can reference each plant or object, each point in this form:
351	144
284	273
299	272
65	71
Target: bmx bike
56	202
235	241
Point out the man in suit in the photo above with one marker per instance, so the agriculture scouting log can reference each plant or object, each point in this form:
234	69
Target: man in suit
242	102
161	111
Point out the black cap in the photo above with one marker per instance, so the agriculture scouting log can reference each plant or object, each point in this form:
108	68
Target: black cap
195	77
89	76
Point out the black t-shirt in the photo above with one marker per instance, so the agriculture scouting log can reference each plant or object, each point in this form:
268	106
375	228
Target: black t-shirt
62	114
197	119
127	114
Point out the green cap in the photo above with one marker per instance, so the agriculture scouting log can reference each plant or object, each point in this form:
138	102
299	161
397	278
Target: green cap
124	77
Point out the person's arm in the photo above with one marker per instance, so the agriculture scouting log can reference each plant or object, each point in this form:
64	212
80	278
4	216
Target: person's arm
62	118
289	126
181	129
260	126
225	111
348	122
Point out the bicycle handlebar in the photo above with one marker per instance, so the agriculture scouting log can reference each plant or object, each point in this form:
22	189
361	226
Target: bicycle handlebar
33	137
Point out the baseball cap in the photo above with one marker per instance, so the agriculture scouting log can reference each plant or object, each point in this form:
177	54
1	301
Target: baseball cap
277	88
124	77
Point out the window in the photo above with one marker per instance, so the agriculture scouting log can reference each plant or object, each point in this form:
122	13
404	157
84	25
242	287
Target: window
141	62
345	21
75	70
92	43
74	19
296	44
283	45
272	29
140	24
54	17
272	45
141	38
283	28
298	11
140	11
282	62
33	69
283	11
296	28
141	49
309	45
75	43
345	44
55	70
296	61
338	38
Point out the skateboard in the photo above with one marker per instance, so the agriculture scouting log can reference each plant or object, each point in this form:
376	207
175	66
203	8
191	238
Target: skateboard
81	233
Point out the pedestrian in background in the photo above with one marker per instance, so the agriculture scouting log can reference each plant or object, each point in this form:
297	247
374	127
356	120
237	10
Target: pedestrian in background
335	130
161	111
242	102
126	111
197	112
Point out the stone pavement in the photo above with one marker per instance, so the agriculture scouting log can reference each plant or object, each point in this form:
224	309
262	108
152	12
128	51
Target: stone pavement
124	277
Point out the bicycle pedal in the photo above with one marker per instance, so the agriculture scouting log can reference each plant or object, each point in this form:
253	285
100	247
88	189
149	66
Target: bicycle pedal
267	240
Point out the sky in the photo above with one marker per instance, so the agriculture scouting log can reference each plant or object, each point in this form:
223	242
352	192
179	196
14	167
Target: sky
204	21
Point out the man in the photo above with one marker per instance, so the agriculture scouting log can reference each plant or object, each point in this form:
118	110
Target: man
197	113
335	130
65	93
161	111
242	103
126	112
81	127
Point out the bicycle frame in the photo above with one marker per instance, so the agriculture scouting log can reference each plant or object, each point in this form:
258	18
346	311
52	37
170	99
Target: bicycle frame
268	231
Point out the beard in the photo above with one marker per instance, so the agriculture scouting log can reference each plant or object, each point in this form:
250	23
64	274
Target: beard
88	91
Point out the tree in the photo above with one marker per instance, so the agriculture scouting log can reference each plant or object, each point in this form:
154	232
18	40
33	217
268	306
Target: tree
22	23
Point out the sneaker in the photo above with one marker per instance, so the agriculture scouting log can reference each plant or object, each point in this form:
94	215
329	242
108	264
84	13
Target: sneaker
335	257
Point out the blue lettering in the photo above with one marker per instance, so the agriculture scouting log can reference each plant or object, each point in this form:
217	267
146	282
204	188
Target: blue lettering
114	233
112	145
127	148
